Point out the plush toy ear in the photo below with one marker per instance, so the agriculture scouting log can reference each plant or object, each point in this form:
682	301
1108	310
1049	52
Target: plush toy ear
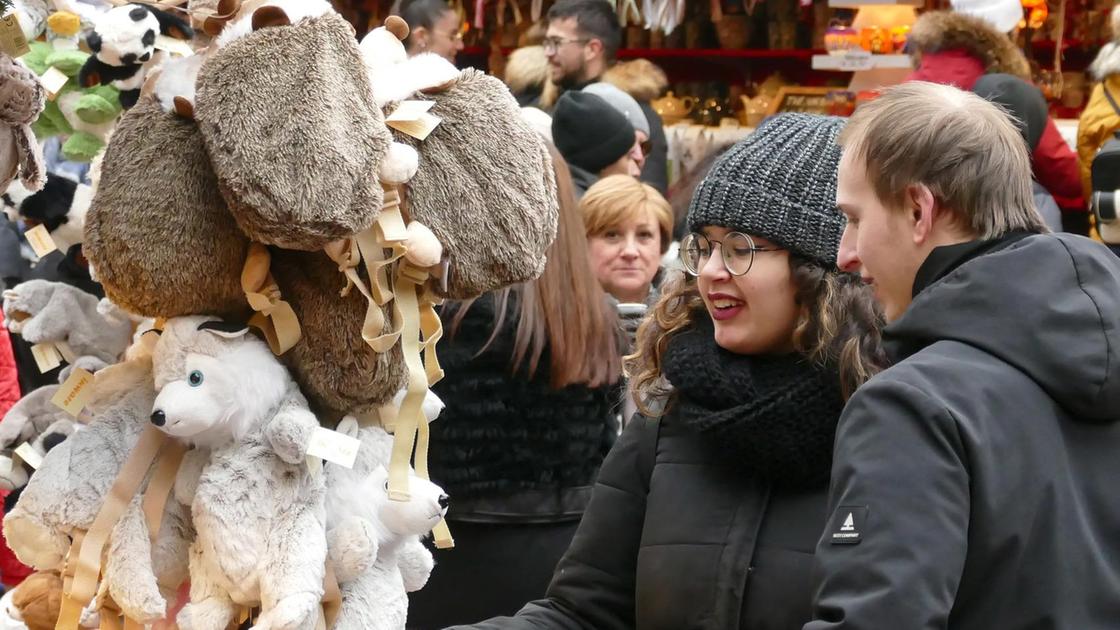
225	330
90	74
397	26
348	426
269	16
184	107
171	25
93	40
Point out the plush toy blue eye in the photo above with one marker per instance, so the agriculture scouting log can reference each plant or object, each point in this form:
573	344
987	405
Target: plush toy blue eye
195	378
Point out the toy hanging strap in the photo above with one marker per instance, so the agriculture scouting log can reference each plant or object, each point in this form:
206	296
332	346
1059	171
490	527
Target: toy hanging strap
87	554
274	317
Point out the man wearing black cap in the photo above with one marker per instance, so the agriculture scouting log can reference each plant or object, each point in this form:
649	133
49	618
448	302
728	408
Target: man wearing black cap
596	139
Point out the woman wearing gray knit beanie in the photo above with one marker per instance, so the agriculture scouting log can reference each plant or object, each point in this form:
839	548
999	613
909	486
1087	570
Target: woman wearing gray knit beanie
707	511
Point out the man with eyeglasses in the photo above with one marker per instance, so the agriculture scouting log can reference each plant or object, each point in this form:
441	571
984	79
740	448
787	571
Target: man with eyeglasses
581	43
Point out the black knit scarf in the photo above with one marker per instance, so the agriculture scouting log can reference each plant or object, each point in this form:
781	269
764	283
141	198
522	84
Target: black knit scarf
773	415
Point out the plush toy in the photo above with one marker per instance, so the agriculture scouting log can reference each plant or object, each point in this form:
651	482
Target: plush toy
481	138
375	543
61	206
164	246
9	615
312	179
84	116
123	41
21	100
37	421
67	490
43	311
37	600
223	389
32	16
393	75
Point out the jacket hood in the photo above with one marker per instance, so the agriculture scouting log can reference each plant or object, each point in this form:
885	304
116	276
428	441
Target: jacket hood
939	31
1049	305
640	78
1107	62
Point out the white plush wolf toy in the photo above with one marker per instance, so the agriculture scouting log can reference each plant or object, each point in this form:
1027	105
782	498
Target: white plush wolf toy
375	543
257	509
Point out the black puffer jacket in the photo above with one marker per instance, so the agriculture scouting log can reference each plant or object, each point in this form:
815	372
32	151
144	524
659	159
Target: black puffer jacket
980	471
687	529
509	448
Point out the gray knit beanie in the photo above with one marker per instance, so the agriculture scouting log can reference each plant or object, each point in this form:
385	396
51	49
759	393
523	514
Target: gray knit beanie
779	183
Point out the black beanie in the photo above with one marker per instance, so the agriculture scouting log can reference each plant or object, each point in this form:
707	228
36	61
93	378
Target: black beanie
589	132
1022	100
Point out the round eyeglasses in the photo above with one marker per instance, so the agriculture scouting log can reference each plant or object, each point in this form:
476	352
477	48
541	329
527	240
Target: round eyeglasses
737	250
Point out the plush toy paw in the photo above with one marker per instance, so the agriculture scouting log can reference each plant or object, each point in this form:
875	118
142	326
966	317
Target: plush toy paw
353	547
416	564
424	249
400	164
12	475
87	363
290	613
35	544
207	614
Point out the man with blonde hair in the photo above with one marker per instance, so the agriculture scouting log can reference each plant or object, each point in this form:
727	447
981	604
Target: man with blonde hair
973	483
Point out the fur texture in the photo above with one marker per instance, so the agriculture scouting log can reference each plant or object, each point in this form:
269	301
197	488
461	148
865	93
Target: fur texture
376	598
393	75
31	417
297	147
259	519
44	311
938	31
165	245
1107	62
640	78
296	10
485	187
69	487
334	366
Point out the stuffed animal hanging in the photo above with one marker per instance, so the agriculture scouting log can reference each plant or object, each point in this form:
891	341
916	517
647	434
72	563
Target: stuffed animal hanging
123	42
21	101
222	389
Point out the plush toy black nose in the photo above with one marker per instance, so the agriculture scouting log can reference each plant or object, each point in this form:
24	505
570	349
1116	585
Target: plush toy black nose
158	418
128	59
444	501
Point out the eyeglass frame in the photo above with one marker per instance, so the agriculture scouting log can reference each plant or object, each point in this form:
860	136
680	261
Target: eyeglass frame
554	43
722	251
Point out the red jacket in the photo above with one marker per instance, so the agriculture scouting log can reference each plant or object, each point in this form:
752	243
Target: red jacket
9	374
1054	162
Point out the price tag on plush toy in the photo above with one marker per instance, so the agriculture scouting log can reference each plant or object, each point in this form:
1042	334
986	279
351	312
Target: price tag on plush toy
12	40
173	46
334	447
53	80
47	356
408	111
65	350
420	128
29	455
71	397
40	240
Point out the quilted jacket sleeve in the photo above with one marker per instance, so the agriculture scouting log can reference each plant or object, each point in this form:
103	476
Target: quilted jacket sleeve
593	587
1057	169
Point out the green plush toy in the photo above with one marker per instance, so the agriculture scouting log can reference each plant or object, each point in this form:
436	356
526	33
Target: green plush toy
84	116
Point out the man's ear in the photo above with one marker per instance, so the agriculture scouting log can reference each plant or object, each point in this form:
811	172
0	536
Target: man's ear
593	49
922	209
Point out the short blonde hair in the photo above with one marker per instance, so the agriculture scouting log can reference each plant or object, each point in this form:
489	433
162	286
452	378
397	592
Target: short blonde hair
962	147
617	198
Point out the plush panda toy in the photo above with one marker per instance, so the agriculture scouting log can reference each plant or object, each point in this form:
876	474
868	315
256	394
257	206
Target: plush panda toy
123	42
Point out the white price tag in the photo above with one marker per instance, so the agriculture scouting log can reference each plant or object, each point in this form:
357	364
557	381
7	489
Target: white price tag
409	111
53	81
71	397
174	46
855	61
47	357
40	240
334	447
29	455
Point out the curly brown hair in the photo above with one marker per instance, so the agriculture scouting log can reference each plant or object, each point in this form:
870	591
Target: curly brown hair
840	325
